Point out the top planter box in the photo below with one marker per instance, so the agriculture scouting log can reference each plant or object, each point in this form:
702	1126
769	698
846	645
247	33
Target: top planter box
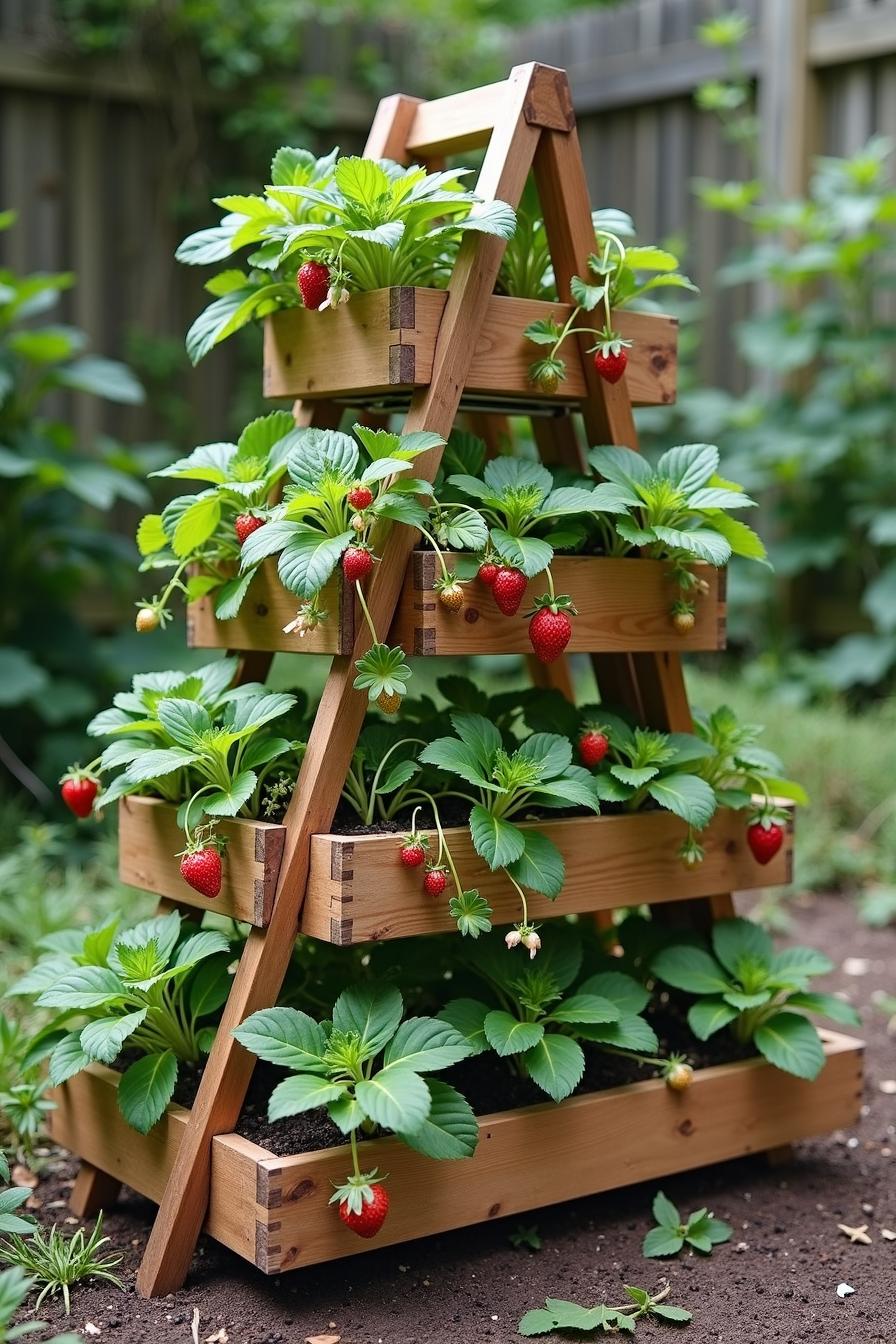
383	342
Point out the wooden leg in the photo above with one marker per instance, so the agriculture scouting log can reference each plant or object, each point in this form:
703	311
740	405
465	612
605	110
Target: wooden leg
93	1190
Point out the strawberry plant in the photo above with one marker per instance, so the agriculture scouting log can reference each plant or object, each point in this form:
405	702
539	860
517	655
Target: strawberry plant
507	782
13	1199
207	530
557	1314
702	1230
617	277
154	989
763	996
370	1068
536	1024
676	510
317	527
193	739
367	224
516	499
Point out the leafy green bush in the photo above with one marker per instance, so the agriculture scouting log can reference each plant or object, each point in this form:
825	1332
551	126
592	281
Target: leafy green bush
56	542
814	434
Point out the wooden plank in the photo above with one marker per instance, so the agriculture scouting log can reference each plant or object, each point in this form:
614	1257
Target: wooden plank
457	122
358	890
149	841
87	1121
384	340
839	39
583	1146
338	721
267	609
623	604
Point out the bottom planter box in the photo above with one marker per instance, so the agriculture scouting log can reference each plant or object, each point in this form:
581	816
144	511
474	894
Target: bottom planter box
274	1211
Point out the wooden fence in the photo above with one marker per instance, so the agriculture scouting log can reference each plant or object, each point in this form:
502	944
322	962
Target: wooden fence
101	158
825	74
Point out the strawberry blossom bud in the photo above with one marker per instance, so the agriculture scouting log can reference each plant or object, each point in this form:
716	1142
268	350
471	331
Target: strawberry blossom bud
513	938
532	941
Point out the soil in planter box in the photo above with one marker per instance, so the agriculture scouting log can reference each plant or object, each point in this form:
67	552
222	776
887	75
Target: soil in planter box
488	1084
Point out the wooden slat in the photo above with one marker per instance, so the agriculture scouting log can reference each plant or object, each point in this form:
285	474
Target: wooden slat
149	842
358	890
88	1122
544	1154
457	122
267	608
275	1211
622	604
337	724
384	340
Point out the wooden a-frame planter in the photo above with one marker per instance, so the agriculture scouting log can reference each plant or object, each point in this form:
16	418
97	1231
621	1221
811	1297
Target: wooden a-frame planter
623	606
384	342
274	1211
432	351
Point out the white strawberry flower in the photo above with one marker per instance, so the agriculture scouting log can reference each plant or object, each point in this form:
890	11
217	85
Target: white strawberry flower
532	941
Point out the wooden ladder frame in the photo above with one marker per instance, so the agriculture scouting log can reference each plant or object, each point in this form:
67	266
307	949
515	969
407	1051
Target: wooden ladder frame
527	124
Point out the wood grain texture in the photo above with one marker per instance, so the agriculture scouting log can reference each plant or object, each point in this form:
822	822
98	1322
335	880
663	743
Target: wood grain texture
267	608
358	890
149	842
384	340
340	715
87	1121
274	1211
92	1191
585	1145
622	604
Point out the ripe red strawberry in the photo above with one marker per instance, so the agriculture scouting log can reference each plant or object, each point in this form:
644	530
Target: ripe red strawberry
201	870
488	572
765	839
360	496
245	524
412	854
435	881
550	630
357	562
313	281
508	587
372	1215
78	793
610	367
593	747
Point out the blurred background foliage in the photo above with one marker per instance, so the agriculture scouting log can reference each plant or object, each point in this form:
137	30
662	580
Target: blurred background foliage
813	645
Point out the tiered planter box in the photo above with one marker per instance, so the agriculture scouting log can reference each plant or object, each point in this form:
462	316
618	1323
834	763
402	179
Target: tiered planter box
383	342
274	1211
358	890
623	605
149	841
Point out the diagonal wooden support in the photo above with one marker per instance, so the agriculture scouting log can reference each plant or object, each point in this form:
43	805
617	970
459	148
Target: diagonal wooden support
341	713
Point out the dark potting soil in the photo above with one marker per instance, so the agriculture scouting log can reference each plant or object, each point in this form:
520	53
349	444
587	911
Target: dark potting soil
455	812
775	1282
489	1084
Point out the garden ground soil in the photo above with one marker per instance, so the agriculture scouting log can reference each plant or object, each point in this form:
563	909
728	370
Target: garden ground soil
776	1281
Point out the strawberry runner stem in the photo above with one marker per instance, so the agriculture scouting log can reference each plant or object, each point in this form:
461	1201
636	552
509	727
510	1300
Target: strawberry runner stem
367	616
